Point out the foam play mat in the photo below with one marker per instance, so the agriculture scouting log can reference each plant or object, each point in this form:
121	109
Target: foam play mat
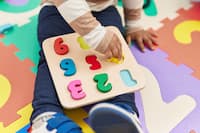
170	102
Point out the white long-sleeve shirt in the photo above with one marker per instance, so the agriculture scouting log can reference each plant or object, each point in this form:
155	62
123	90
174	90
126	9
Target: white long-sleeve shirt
78	14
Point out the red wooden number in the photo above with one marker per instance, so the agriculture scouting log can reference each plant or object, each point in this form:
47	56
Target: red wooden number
92	59
59	47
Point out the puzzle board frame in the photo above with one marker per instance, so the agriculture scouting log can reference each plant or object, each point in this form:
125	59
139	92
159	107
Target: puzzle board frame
85	75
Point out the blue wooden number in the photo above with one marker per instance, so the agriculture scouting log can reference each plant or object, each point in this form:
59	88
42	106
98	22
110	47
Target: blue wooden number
69	67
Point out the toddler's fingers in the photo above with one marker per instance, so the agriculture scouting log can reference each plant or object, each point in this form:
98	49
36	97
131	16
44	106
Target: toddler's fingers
149	44
153	34
119	48
115	47
140	44
154	41
117	53
128	39
108	54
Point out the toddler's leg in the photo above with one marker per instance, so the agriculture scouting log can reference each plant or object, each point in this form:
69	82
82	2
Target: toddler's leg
120	113
111	17
47	113
50	24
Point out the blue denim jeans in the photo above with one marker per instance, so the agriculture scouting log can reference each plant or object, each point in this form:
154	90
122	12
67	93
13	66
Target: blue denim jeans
51	23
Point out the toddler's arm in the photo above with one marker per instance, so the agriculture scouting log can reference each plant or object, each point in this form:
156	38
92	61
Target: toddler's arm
134	29
78	15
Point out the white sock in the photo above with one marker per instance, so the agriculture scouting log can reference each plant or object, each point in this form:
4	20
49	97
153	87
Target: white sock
41	119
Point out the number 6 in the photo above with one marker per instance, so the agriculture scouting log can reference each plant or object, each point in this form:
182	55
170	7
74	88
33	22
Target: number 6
59	47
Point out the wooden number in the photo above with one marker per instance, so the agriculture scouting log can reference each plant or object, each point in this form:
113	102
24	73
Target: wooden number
116	60
75	89
69	67
59	47
101	80
92	59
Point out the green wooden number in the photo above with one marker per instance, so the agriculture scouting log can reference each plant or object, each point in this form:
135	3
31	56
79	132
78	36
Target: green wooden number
101	80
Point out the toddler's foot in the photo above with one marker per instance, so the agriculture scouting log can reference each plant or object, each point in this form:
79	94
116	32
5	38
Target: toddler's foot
54	123
109	118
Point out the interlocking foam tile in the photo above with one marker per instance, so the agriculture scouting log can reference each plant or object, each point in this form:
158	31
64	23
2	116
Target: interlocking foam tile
1	36
78	116
166	9
17	18
175	38
17	117
16	6
25	39
24	129
175	82
18	125
18	74
192	131
151	9
16	3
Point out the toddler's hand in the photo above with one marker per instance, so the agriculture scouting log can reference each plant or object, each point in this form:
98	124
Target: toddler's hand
114	48
113	44
143	38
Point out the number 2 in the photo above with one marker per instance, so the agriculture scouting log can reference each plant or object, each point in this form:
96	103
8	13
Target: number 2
101	80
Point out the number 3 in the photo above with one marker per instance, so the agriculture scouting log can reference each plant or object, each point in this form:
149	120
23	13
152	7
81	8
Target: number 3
75	89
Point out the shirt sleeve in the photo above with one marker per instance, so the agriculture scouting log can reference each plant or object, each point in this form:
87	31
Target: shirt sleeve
132	13
78	15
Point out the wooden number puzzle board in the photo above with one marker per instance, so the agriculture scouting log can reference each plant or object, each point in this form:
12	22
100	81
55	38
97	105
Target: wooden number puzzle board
83	77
